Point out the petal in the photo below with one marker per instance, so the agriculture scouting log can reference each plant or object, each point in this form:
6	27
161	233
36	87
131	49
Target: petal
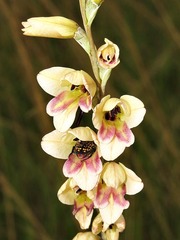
66	194
86	236
82	78
133	183
94	164
72	166
106	132
84	219
113	175
111	212
50	80
112	150
101	199
110	104
85	179
85	103
83	133
53	27
137	110
57	144
64	120
98	113
125	135
61	103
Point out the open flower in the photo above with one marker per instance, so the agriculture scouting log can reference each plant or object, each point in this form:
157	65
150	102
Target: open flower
115	181
114	118
52	27
71	89
86	236
108	54
70	194
110	231
80	147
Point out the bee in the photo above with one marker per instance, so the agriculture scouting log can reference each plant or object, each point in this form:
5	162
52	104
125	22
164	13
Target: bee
84	149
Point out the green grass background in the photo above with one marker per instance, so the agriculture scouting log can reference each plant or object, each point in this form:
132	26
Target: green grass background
147	33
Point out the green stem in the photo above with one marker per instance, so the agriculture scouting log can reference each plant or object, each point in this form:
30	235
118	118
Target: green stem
93	51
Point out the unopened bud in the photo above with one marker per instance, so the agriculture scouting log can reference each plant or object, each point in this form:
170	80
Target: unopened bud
52	27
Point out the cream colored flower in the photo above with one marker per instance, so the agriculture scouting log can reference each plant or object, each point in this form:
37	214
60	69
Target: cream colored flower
111	231
80	147
114	117
71	89
52	27
70	194
108	55
115	181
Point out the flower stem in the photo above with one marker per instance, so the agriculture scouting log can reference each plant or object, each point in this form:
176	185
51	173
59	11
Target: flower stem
93	51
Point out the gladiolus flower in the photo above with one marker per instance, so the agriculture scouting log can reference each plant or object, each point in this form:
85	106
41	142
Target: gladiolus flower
108	55
86	236
80	147
115	181
114	118
69	193
110	231
70	89
52	27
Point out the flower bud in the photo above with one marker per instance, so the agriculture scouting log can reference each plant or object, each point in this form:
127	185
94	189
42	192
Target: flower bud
85	236
108	55
52	27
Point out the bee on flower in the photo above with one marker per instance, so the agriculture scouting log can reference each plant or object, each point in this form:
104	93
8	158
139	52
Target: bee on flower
80	147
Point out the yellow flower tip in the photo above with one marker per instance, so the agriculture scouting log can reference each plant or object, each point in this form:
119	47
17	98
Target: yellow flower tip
98	2
108	55
52	27
85	236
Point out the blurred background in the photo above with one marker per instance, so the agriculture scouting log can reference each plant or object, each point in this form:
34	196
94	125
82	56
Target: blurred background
147	33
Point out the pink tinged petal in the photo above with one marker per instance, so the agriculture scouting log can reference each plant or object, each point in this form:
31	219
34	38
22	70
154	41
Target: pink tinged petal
60	103
94	164
137	110
66	194
124	134
133	183
106	132
83	201
112	150
102	196
84	219
85	179
64	120
83	210
72	166
57	144
111	212
85	103
114	209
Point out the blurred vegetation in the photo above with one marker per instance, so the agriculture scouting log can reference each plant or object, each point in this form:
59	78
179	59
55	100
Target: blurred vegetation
148	36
